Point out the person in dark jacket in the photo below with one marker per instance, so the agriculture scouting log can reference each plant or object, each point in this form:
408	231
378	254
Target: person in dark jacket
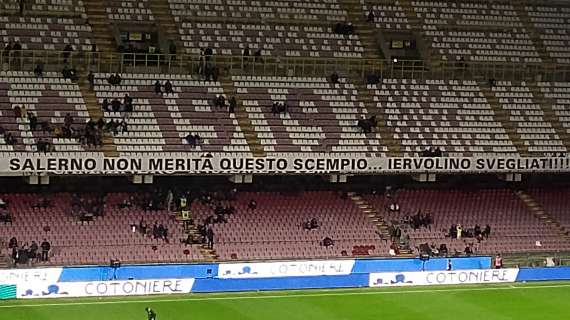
46	247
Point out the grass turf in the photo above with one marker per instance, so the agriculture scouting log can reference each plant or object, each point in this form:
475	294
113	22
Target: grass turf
490	302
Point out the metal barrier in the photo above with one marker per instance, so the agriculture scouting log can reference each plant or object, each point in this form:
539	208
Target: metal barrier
281	66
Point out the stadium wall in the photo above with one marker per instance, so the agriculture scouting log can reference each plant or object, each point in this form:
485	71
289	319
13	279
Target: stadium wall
256	276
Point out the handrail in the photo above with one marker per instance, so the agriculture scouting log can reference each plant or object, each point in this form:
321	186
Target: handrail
107	62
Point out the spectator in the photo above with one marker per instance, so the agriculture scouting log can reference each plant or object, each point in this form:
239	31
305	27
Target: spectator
2	131
105	105
39	70
449	265
468	250
220	101
33	251
10	140
115	105
91	80
498	262
33	122
443	249
13	243
172	49
327	242
21	5
17	47
128	103
68	120
487	231
93	48
492	82
193	140
334	78
123	126
245	54
67	51
370	17
17	111
232	108
459	231
233	103
168	87
257	56
157	87
252	205
45	250
7	49
210	237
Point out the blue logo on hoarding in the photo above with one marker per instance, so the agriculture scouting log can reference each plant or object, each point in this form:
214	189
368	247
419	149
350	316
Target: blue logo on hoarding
51	290
399	278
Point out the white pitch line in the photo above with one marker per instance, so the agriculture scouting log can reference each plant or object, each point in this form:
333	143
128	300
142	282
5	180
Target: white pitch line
286	296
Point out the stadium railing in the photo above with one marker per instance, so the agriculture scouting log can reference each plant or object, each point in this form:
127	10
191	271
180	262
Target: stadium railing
107	62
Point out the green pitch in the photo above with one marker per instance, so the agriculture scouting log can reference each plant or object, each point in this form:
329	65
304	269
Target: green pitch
540	301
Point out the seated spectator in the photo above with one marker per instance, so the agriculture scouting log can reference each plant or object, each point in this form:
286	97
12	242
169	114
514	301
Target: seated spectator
370	17
168	87
116	105
193	140
327	242
314	224
17	47
10	140
252	205
157	87
468	250
394	207
278	107
443	249
220	101
2	131
492	82
245	54
7	49
372	78
172	48
334	78
17	111
39	70
367	124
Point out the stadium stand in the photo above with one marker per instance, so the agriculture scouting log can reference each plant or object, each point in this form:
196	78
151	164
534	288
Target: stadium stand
272	40
299	11
46	33
513	227
162	122
460	100
321	116
452	115
109	236
552	24
275	228
50	98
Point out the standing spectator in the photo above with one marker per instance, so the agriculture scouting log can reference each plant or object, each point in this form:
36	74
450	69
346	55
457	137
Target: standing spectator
459	231
157	87
168	87
91	80
21	4
33	251
334	78
233	104
33	121
210	237
10	140
13	243
105	105
487	231
67	51
172	49
45	250
39	70
68	120
498	262
449	265
370	17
